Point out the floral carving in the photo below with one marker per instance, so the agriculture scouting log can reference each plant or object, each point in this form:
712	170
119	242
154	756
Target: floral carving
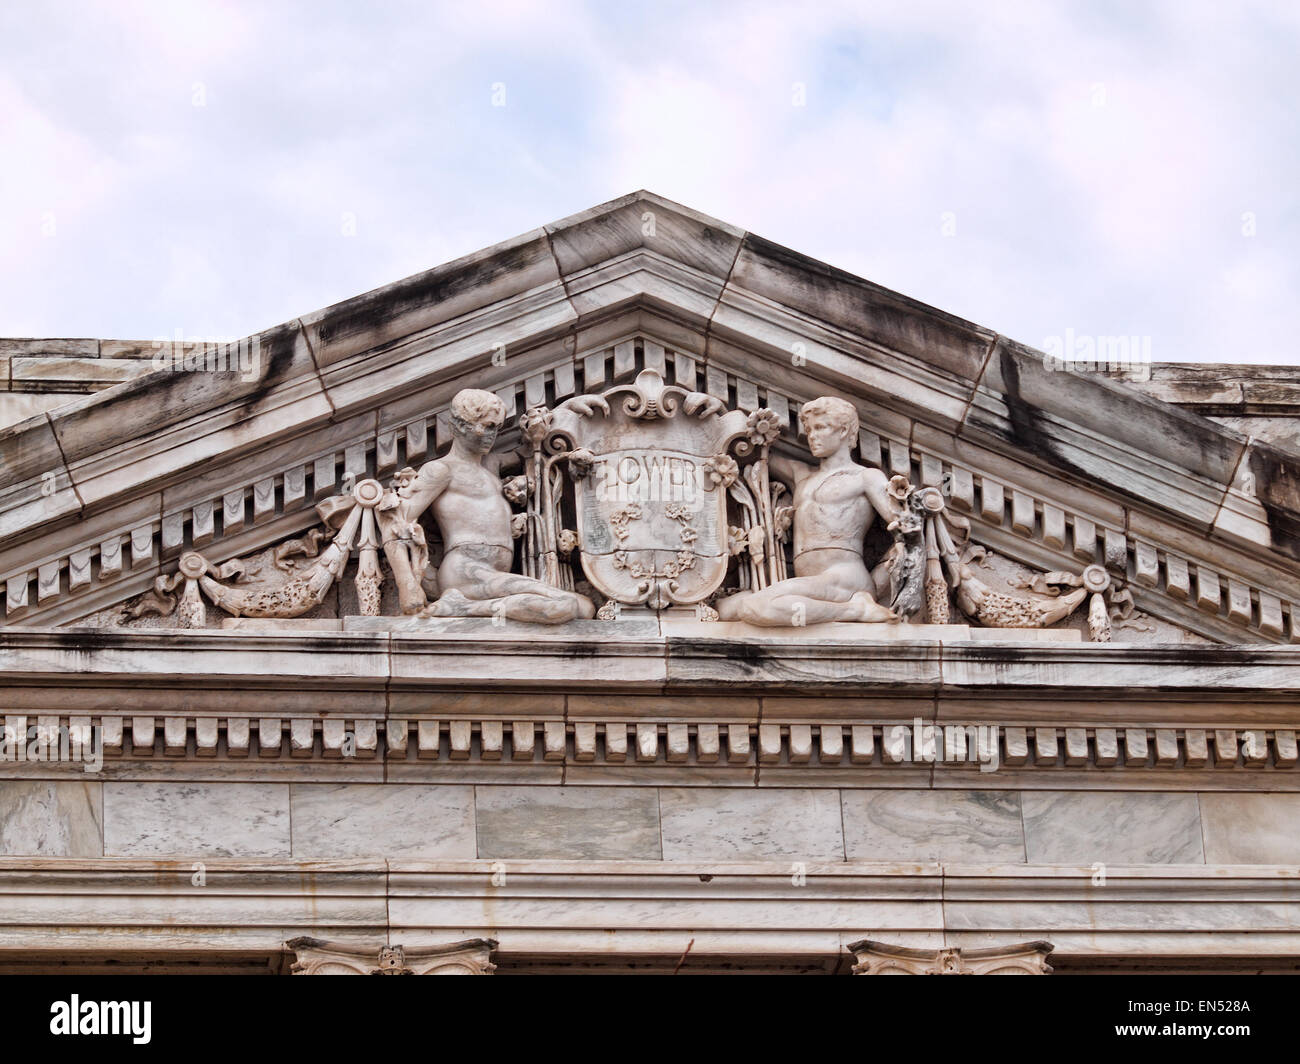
535	423
622	517
515	490
737	541
763	427
720	471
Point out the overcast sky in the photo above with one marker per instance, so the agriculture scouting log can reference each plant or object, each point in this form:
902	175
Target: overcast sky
1118	168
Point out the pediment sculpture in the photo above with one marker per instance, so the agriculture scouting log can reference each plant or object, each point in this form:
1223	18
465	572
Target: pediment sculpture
646	497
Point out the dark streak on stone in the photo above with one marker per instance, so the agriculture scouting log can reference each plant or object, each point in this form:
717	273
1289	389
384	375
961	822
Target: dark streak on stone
1023	416
277	347
373	311
1277	485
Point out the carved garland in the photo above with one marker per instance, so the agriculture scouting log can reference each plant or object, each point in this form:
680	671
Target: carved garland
927	570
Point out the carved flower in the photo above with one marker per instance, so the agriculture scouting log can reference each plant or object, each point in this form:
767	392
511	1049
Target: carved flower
784	518
518	523
899	487
568	542
737	541
622	517
908	523
580	463
688	534
534	424
764	426
929	500
720	471
516	490
402	481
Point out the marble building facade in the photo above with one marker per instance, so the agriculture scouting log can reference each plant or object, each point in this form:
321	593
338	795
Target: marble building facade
537	613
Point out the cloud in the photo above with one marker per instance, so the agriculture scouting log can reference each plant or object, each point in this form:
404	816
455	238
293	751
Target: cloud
1110	169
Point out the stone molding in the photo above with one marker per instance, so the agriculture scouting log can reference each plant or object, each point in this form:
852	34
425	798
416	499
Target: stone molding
1219	592
804	711
814	752
557	908
317	957
882	958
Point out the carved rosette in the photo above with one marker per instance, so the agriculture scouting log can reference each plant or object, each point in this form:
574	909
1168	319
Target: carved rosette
317	957
1021	958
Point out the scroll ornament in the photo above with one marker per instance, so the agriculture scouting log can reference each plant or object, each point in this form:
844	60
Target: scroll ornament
927	538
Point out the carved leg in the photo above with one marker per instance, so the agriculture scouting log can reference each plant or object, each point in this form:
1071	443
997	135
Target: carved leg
530	608
804	600
410	593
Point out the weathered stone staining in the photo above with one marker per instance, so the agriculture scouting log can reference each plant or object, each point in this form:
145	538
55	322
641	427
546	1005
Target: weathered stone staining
646	647
646	472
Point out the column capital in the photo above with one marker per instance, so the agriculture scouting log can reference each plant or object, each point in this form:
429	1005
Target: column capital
882	958
316	957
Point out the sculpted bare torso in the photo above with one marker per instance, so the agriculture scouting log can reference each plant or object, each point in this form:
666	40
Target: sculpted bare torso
835	505
464	491
469	508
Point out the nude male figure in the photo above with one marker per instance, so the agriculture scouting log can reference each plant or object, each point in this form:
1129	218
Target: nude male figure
474	519
835	504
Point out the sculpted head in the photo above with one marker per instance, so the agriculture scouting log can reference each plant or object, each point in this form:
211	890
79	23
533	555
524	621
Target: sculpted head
476	418
829	424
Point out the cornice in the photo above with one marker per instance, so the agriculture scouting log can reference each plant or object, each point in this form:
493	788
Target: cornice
1229	594
640	707
538	909
101	495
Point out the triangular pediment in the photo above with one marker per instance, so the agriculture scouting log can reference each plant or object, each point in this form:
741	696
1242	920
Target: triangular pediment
1054	470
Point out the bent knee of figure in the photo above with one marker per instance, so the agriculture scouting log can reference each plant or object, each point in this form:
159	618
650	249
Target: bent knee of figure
729	608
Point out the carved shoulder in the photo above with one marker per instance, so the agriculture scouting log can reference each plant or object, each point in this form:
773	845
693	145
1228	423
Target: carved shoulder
788	470
874	478
429	483
877	488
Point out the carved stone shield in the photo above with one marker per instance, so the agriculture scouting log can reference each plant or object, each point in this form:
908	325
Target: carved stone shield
652	517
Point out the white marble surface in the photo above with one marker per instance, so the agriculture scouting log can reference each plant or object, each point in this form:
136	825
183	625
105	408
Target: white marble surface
1251	828
382	820
196	819
598	823
47	819
915	825
1123	827
738	824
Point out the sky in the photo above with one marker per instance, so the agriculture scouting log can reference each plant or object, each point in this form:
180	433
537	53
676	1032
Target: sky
1047	170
